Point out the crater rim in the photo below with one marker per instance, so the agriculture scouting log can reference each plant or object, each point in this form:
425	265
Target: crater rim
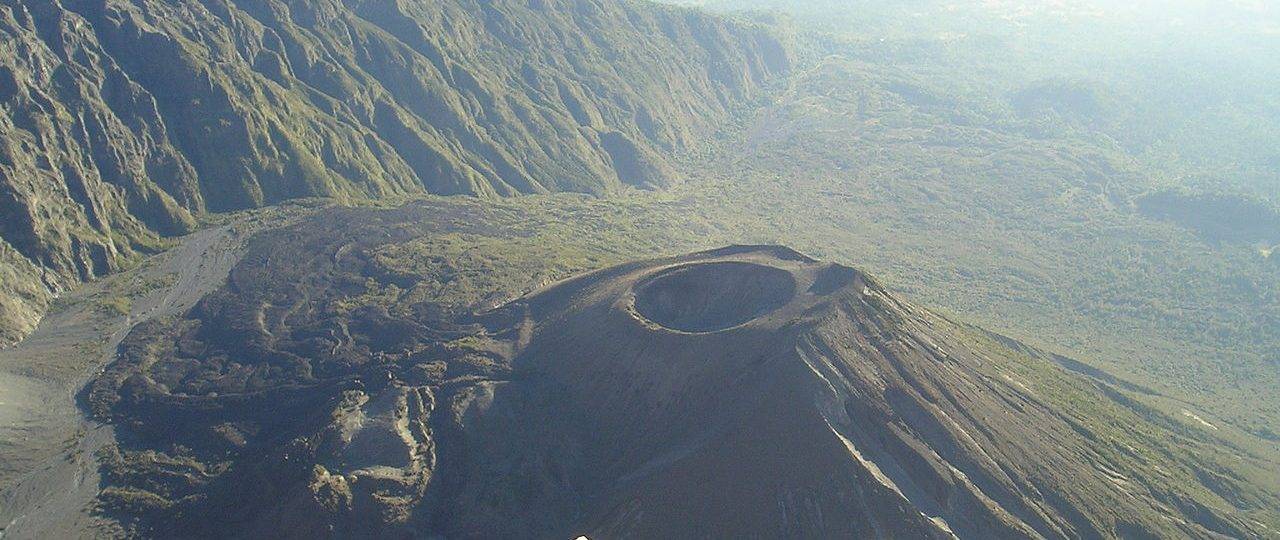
712	296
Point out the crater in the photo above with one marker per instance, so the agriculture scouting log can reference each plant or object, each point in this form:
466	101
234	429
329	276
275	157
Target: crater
715	296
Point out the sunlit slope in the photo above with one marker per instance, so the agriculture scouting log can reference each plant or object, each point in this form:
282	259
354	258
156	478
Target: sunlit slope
126	119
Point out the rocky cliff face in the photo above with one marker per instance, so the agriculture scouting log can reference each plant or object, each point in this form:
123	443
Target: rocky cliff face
736	392
121	120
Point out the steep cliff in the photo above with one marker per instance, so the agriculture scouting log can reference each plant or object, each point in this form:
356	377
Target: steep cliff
124	120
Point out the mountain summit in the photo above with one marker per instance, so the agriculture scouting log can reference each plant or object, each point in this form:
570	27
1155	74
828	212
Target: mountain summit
743	391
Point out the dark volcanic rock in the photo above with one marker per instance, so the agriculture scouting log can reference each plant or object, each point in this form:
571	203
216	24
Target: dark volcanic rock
748	391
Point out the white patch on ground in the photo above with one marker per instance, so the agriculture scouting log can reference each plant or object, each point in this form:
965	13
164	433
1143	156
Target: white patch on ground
1018	383
1115	477
884	479
1197	418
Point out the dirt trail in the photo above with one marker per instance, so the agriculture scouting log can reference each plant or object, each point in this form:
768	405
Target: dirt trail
48	473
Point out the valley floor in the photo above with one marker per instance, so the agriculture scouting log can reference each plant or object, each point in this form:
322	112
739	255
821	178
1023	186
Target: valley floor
48	471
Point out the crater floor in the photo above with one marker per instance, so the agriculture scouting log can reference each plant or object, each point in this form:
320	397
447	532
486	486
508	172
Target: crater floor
714	296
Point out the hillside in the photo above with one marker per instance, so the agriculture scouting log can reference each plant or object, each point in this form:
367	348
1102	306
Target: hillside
125	121
752	387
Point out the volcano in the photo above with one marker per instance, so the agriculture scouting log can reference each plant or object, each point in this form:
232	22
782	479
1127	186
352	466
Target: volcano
749	391
753	391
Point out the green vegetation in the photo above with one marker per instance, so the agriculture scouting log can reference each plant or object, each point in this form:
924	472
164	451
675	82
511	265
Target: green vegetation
134	119
1093	177
1128	435
118	296
1216	217
115	305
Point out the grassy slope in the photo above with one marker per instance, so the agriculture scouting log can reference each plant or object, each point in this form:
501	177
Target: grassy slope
990	157
129	119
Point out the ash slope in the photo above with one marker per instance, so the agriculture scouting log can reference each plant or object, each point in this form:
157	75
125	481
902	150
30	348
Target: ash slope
747	391
844	412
